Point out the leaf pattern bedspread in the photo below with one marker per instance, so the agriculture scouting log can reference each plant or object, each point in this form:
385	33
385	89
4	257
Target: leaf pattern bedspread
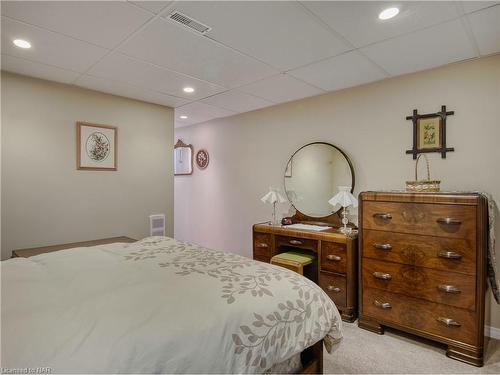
158	305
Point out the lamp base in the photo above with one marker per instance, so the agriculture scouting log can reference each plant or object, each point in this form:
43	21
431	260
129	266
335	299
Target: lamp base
345	230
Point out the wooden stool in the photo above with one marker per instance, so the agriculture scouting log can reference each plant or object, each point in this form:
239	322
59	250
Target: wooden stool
293	260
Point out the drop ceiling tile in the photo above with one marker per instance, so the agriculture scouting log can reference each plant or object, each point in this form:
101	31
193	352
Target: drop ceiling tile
126	69
38	70
279	33
237	101
173	46
281	88
347	70
129	91
153	6
199	112
472	6
438	45
103	23
485	26
48	47
358	20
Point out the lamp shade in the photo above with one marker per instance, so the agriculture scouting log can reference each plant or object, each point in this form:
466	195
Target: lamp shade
274	195
344	198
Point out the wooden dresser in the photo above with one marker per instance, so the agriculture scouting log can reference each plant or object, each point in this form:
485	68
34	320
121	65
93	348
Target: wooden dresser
335	268
423	267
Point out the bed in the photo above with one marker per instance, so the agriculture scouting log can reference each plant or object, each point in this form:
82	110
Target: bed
160	306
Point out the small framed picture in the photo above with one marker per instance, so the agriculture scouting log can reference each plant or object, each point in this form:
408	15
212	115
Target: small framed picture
202	159
429	133
96	147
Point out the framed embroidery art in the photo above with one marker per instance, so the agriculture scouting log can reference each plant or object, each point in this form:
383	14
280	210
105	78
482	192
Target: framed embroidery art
96	147
429	132
202	159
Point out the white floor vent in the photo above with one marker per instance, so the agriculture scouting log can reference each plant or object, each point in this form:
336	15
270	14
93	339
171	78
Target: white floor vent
157	225
189	22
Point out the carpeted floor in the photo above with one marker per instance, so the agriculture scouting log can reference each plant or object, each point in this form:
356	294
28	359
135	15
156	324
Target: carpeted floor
364	352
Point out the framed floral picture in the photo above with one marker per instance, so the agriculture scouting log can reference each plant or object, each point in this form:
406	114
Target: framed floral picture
96	147
429	133
202	159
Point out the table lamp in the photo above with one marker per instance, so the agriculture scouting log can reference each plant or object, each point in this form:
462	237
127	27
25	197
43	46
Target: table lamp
345	199
273	196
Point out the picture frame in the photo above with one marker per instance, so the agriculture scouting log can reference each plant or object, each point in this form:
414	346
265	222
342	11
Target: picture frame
202	159
96	147
429	132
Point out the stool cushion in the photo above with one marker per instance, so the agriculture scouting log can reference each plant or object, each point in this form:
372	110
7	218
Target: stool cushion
295	256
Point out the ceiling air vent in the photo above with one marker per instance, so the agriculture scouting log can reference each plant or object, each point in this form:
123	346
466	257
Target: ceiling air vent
189	22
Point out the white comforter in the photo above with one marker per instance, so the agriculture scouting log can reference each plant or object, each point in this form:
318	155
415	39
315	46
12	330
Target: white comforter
157	306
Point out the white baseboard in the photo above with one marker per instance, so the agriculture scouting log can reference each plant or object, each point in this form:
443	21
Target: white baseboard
492	332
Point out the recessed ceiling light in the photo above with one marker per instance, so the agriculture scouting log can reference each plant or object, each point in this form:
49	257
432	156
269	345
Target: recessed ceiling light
388	13
188	89
21	43
183	117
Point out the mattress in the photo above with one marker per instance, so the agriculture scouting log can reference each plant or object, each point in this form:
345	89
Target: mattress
158	306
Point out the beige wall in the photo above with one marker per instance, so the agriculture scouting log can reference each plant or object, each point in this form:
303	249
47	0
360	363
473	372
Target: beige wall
45	200
248	152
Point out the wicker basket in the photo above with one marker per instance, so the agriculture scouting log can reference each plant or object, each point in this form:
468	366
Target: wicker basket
423	185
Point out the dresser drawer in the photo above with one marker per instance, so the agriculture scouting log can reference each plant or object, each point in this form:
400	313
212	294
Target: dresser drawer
301	243
457	221
333	257
420	315
447	254
335	287
450	288
262	245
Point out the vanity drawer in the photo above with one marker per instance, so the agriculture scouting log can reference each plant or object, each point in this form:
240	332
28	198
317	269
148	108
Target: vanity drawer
420	315
447	254
449	288
262	259
335	286
301	243
262	245
333	257
444	220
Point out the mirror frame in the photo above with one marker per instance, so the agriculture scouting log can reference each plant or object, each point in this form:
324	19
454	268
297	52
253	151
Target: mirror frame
181	144
334	217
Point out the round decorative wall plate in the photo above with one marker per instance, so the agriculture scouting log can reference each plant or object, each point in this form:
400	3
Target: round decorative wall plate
202	159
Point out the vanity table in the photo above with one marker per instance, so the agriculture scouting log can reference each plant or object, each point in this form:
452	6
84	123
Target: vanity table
335	266
312	176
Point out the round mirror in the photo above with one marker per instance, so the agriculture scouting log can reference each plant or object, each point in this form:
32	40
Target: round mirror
313	175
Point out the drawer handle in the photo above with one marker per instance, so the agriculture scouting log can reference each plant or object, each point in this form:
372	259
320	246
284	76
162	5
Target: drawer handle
295	242
448	221
448	322
382	276
335	258
332	288
449	255
382	305
382	215
263	245
382	246
449	289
